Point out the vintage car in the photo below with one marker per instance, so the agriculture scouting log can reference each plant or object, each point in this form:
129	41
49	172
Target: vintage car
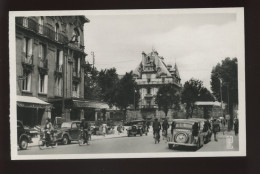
182	134
23	136
136	127
69	131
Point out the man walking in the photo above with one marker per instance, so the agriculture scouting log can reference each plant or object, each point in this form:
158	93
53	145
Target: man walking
215	126
165	126
156	127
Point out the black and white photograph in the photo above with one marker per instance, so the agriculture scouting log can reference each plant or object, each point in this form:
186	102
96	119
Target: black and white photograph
127	83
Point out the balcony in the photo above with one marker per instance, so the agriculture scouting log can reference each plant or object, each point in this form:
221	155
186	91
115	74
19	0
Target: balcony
58	71
148	96
41	29
76	76
43	66
27	62
75	94
145	82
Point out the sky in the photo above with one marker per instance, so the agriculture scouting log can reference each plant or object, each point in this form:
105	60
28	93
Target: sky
196	42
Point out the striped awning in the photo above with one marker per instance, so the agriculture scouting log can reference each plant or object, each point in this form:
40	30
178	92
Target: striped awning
31	102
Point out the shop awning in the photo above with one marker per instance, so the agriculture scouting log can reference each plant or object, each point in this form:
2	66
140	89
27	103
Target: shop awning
31	102
90	104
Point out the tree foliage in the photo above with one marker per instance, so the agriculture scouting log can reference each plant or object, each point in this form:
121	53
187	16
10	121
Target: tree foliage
126	91
225	76
193	90
168	97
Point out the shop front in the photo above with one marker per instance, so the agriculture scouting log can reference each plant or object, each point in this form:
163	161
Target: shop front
32	111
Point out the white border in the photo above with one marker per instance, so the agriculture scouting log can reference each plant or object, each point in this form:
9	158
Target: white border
241	83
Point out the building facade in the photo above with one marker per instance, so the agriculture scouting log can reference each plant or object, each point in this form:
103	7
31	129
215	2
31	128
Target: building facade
150	74
50	59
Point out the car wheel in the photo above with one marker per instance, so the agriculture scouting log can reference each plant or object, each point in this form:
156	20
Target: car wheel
170	146
65	140
23	144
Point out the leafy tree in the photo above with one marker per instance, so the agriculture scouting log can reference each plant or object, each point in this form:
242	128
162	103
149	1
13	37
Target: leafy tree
167	97
125	92
227	72
107	80
205	95
92	90
193	91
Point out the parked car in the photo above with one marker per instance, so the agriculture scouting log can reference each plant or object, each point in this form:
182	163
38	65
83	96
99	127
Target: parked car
69	131
182	135
23	136
136	127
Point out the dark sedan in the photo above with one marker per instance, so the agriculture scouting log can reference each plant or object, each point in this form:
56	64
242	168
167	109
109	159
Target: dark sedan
68	132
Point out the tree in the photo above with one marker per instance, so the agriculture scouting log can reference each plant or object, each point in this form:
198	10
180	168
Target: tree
205	95
167	97
224	78
92	90
125	92
193	91
107	80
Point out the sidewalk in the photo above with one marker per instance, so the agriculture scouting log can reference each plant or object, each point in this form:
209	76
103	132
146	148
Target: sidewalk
93	137
227	142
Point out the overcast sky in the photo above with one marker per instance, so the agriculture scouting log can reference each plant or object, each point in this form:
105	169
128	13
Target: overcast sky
196	42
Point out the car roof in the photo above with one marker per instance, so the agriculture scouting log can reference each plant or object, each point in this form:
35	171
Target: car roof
184	121
135	121
198	119
72	122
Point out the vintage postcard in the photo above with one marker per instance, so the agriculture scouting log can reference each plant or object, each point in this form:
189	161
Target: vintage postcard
127	83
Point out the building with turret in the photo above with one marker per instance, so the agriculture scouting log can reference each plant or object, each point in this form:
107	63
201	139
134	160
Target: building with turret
150	74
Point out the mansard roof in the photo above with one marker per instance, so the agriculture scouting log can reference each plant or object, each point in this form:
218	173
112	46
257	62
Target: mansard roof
157	62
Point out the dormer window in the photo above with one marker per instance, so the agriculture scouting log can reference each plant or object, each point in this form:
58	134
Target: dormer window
76	36
40	22
25	21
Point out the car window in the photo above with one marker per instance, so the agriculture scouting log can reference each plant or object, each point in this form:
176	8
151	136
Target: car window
74	126
183	125
66	125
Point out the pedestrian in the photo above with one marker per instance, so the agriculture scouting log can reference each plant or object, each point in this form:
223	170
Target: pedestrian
195	132
119	129
147	125
48	131
236	125
165	126
104	128
156	128
215	127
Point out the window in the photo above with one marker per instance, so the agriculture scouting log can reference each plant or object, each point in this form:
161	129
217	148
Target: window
42	51
148	90
59	60
74	126
57	31
75	90
76	36
27	49
163	79
76	66
25	21
43	83
40	22
26	84
58	86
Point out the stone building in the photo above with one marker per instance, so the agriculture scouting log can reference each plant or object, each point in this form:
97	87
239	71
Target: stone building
50	59
150	74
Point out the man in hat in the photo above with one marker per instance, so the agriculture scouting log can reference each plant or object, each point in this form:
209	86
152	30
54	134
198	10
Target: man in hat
156	127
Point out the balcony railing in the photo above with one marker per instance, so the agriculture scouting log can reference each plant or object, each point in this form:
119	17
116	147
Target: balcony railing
75	94
27	59
58	68
41	29
148	96
43	63
156	82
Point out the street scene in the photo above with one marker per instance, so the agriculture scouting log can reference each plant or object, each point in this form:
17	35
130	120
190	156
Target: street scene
98	84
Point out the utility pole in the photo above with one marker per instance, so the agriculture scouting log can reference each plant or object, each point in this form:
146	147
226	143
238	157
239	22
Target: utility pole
93	57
